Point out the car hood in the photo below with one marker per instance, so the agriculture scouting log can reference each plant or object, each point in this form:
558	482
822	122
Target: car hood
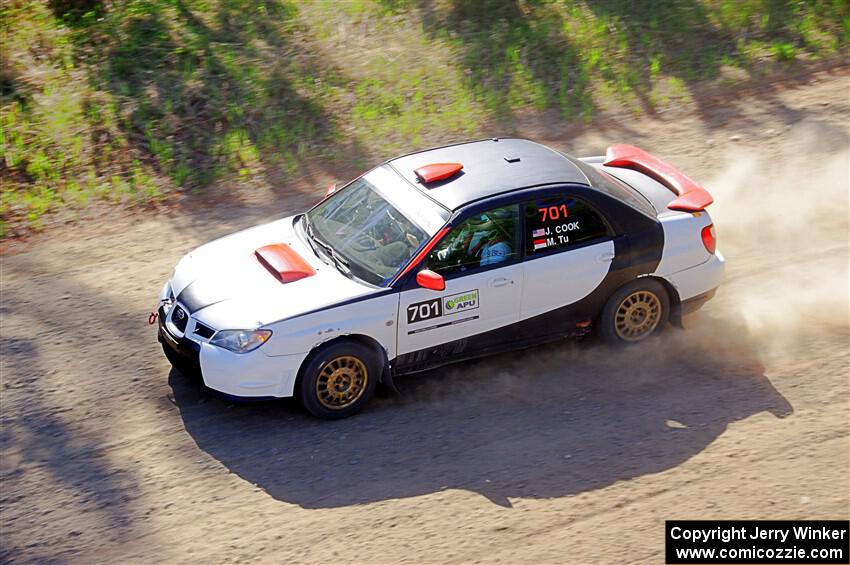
224	285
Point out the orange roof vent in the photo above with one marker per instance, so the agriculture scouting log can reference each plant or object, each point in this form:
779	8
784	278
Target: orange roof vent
437	171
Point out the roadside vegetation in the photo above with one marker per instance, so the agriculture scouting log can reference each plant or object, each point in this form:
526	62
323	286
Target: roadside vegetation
129	102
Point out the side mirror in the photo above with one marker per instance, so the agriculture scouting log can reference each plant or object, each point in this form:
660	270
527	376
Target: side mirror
430	280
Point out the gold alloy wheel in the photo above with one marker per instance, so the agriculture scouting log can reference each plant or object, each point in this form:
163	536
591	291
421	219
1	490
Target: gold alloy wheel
637	316
341	382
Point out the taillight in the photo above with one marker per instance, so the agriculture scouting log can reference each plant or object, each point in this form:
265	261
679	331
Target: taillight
709	238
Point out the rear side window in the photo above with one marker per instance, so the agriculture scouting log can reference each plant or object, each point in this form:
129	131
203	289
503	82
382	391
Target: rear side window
560	222
614	187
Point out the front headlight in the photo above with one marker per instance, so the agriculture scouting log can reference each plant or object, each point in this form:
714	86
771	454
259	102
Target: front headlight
241	341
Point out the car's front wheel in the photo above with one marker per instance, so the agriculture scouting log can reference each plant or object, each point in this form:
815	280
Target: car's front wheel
339	379
636	311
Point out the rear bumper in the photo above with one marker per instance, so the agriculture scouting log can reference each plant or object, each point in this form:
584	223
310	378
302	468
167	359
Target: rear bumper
691	305
696	286
699	280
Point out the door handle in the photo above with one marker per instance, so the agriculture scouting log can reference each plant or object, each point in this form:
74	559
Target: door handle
605	258
501	281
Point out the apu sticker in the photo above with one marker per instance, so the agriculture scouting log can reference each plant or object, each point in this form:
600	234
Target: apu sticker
460	302
436	307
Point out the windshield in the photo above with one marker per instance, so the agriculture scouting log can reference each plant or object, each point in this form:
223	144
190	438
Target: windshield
374	225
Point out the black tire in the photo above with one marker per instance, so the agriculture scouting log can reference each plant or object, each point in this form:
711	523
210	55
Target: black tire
635	312
339	379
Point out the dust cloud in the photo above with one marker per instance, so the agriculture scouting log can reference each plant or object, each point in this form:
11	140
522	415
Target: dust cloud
782	223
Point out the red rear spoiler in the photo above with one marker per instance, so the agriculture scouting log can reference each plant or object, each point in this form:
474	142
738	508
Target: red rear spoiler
691	196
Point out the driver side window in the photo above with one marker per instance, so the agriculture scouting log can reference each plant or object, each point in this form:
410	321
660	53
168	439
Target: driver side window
485	239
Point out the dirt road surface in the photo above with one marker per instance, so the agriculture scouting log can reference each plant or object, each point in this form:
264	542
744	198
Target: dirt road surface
573	453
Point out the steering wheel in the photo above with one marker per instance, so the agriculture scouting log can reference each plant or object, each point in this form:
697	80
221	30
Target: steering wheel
365	242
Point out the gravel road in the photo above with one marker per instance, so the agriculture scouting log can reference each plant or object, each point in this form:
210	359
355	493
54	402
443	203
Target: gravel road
573	453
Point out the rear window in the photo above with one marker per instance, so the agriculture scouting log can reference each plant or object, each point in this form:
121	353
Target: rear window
613	187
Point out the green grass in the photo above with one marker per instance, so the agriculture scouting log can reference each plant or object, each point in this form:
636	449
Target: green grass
128	102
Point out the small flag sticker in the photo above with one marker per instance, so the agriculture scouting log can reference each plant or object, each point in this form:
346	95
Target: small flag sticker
539	244
538	233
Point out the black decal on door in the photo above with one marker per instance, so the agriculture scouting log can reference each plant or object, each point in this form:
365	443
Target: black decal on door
443	325
426	310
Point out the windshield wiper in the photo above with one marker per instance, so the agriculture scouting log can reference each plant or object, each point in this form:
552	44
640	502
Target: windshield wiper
340	262
308	229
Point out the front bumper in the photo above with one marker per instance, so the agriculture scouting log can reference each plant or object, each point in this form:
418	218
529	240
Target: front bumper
183	353
247	376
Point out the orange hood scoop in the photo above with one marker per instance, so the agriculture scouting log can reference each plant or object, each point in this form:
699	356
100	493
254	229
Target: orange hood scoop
285	264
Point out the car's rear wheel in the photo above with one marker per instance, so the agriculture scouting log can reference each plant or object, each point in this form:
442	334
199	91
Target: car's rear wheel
635	312
339	379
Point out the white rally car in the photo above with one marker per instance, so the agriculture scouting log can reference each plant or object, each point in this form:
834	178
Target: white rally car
439	256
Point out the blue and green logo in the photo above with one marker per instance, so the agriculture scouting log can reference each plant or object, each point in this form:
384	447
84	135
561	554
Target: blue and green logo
460	302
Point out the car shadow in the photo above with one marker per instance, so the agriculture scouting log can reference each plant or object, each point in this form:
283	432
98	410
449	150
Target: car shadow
548	422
